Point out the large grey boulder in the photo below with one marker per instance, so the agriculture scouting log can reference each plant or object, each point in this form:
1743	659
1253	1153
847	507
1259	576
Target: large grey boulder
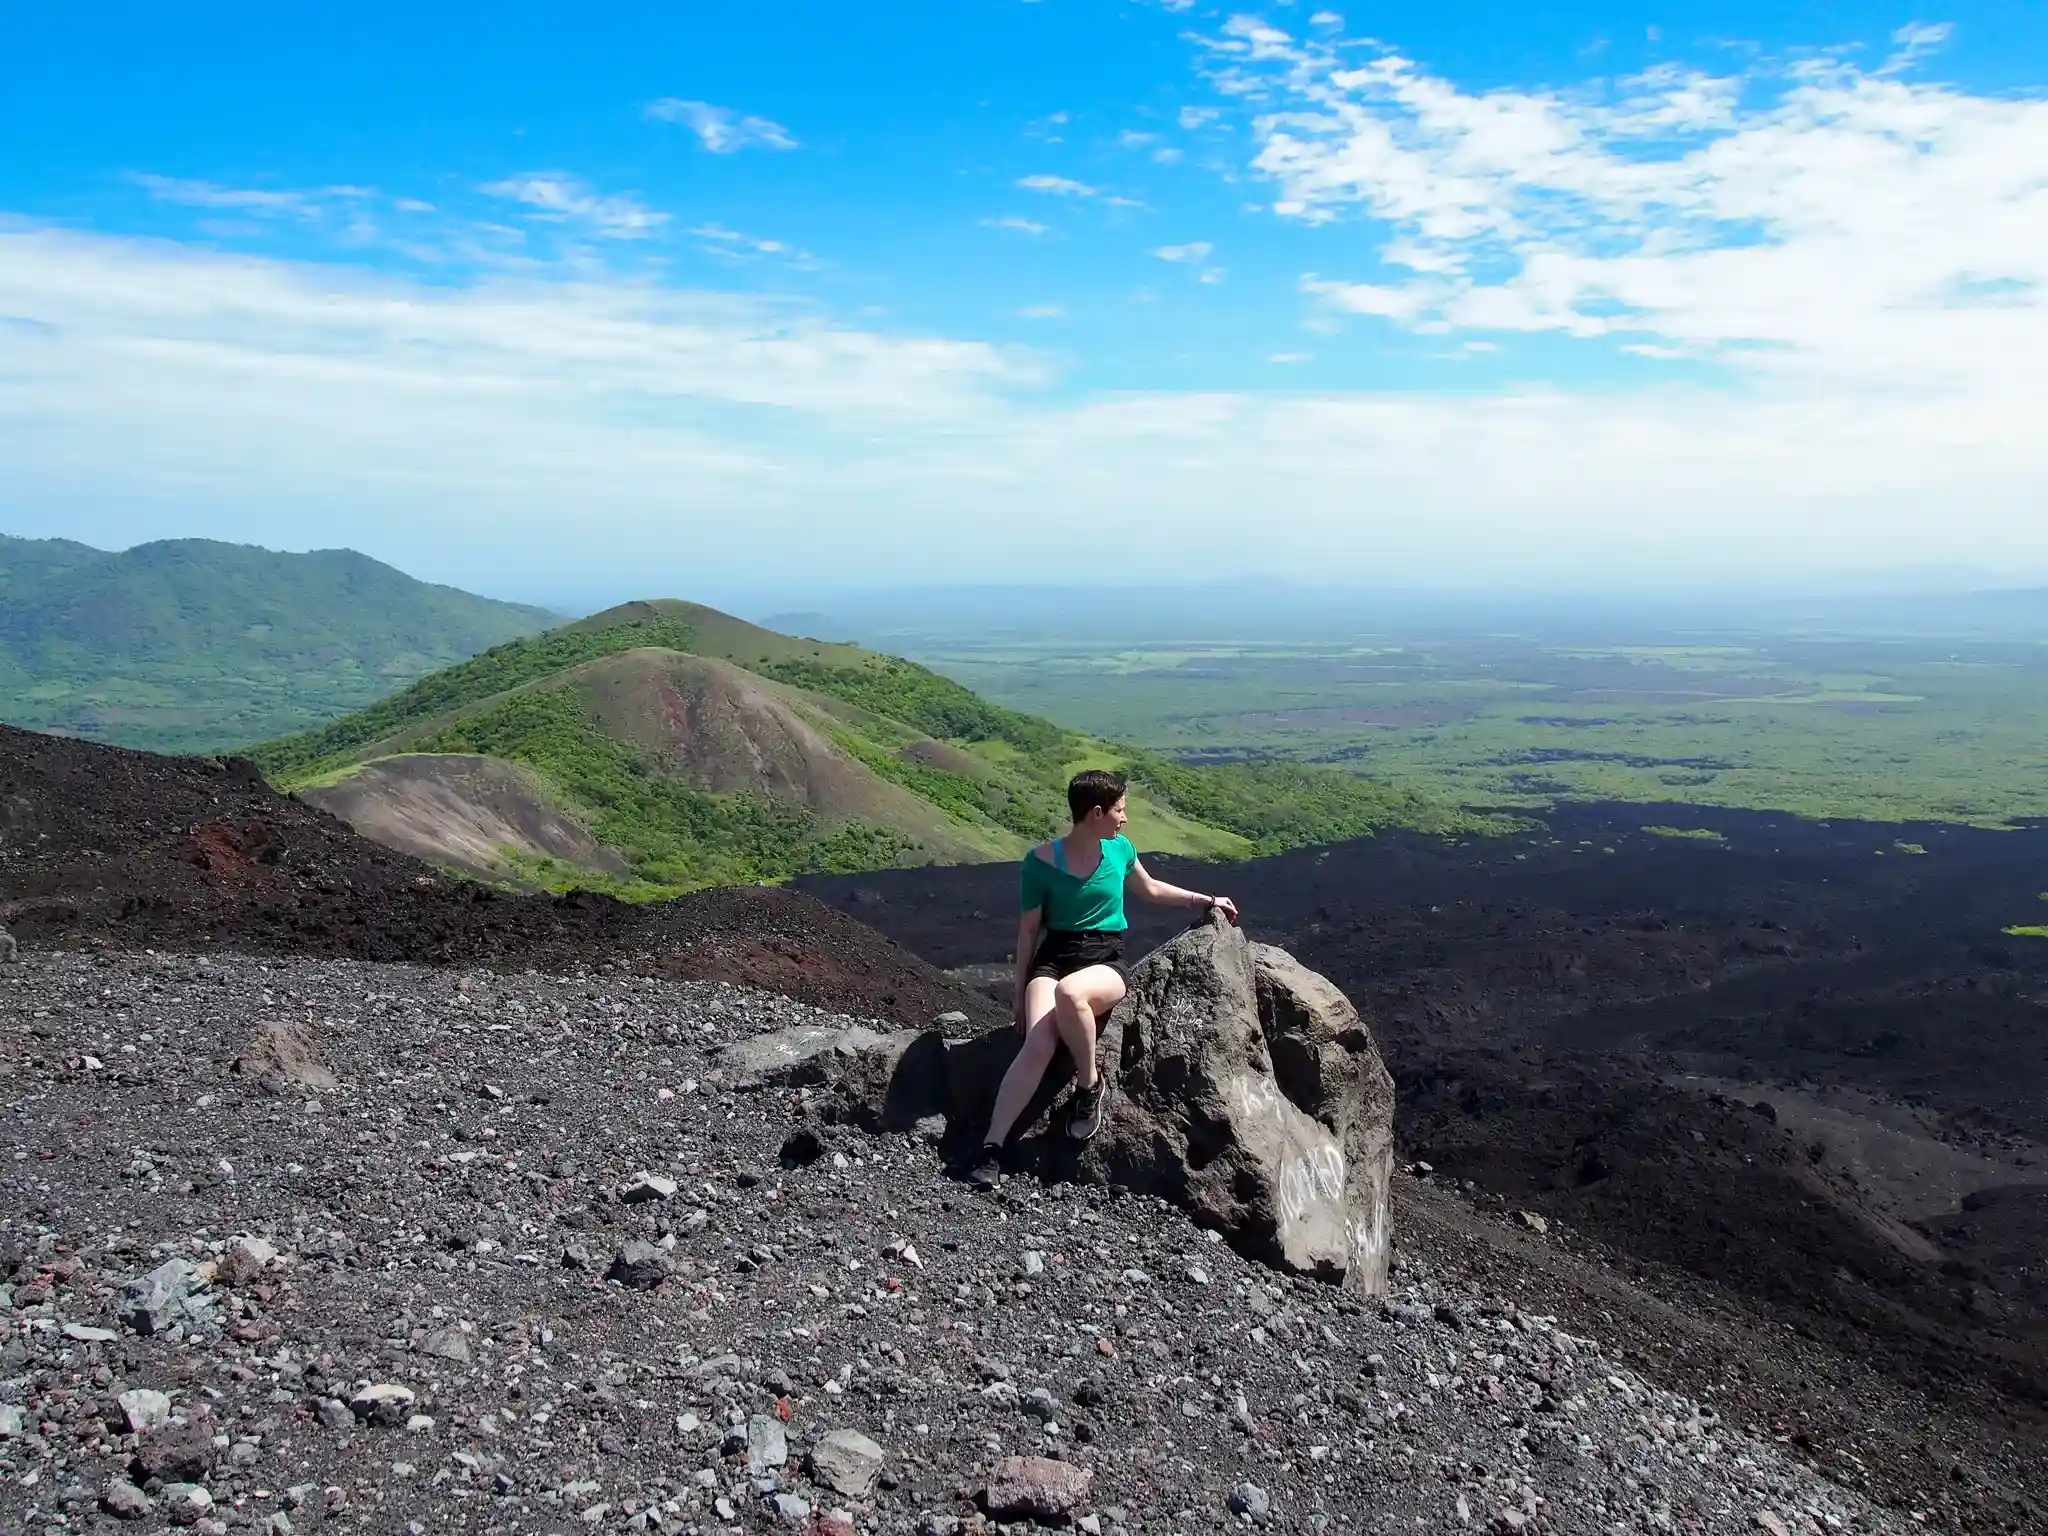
1245	1089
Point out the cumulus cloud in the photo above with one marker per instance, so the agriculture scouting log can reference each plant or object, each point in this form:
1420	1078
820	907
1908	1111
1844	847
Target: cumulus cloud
723	130
1017	222
562	198
1821	223
1194	250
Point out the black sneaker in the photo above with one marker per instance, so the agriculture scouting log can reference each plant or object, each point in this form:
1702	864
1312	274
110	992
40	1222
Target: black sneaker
987	1171
1087	1110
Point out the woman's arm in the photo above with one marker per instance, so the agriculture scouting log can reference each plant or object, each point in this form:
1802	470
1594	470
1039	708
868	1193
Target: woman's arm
1160	894
1027	946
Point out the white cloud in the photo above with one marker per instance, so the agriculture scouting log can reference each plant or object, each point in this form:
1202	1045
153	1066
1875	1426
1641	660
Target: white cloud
1042	312
208	194
737	244
1058	186
1193	251
255	202
1288	359
1017	222
1330	21
1192	118
562	198
722	130
1822	227
1066	186
569	422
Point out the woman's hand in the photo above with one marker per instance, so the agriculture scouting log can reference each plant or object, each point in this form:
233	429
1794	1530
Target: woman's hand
1226	906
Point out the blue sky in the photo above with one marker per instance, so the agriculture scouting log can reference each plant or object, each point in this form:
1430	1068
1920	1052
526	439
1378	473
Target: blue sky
698	297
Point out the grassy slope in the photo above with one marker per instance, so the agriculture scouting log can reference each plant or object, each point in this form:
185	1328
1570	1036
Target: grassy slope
521	701
191	645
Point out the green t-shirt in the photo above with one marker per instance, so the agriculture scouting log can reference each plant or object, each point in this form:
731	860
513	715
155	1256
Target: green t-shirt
1074	905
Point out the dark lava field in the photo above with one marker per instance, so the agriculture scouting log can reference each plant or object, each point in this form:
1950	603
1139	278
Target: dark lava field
1778	1096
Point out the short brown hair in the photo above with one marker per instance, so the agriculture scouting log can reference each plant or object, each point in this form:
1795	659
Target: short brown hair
1094	789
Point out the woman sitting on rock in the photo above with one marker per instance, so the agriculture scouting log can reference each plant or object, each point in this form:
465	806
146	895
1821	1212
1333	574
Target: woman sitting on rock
1070	944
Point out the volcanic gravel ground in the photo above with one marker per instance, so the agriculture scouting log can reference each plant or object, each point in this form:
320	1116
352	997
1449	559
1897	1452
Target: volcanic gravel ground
445	1215
1543	1000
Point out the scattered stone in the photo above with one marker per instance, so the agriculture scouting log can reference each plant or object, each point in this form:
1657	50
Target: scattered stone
85	1333
767	1444
847	1462
167	1295
639	1266
334	1414
1533	1222
644	1187
124	1501
245	1259
186	1503
790	1509
1250	1499
9	950
952	1018
143	1409
175	1453
1036	1488
447	1343
284	1061
10	1420
750	1062
385	1404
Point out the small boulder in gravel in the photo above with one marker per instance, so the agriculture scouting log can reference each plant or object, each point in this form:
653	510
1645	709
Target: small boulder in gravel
143	1409
124	1501
750	1062
447	1343
386	1404
168	1294
8	949
767	1445
847	1462
186	1503
333	1413
282	1058
1037	1488
645	1187
1250	1499
639	1266
176	1453
244	1260
10	1420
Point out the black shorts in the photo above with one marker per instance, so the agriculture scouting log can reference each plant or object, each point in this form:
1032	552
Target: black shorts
1063	951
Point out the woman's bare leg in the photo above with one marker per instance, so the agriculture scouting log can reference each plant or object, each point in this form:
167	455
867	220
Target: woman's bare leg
1078	1002
1027	1067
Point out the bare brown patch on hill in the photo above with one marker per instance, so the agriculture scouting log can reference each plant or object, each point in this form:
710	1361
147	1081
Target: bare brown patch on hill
463	812
721	728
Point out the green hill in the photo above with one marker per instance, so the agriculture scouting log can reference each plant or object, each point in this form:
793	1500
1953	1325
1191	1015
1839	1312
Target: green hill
194	646
691	748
